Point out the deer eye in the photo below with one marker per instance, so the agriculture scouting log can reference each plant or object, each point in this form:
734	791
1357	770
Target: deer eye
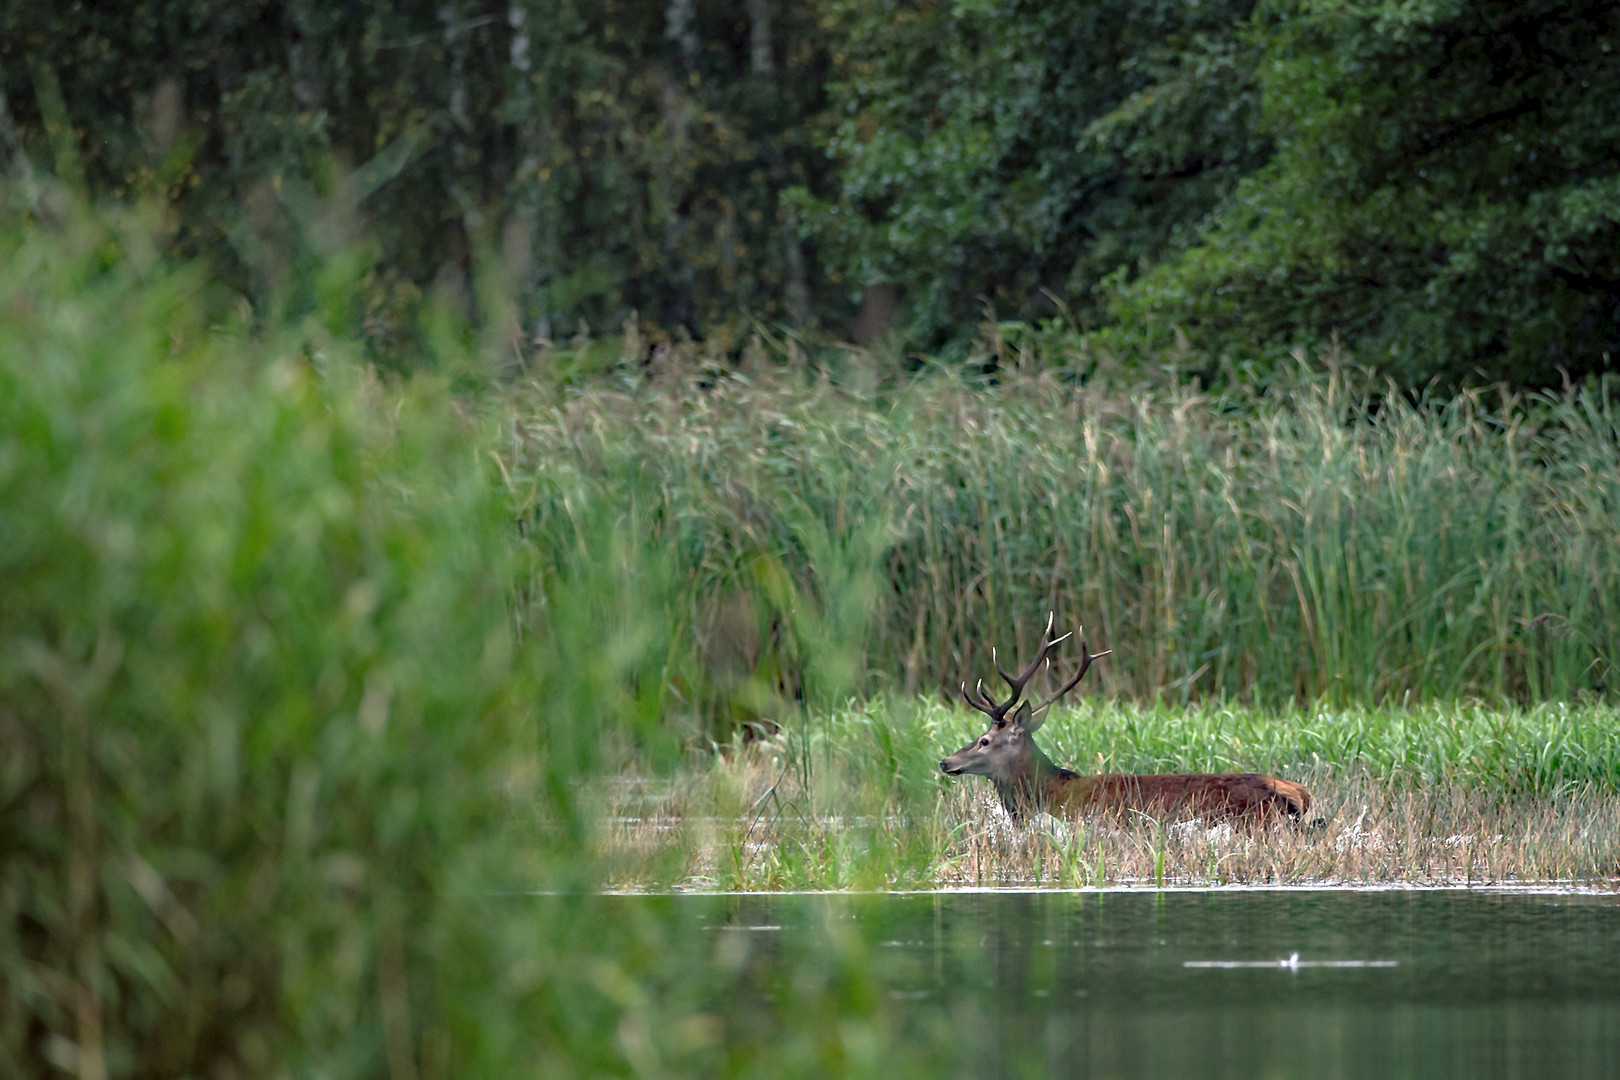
985	741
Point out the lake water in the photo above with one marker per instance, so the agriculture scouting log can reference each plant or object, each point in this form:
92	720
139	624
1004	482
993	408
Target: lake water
1151	984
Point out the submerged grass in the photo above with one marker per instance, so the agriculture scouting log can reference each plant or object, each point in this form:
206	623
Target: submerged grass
854	801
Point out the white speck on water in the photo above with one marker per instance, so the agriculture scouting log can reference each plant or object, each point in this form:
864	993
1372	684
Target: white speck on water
1292	962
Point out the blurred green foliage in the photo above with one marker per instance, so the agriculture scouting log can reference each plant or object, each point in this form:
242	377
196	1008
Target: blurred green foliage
257	683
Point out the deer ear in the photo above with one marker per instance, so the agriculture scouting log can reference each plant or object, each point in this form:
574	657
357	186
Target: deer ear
1023	720
1033	721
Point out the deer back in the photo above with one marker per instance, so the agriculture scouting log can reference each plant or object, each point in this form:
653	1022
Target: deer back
1212	795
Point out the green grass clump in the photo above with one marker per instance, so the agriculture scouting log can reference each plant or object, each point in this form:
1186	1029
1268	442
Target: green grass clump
1535	751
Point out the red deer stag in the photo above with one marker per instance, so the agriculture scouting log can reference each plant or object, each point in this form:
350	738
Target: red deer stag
1026	779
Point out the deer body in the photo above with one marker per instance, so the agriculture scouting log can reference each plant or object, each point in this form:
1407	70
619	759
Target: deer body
1065	793
1026	779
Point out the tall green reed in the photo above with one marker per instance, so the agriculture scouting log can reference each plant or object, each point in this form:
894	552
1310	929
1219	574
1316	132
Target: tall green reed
1319	541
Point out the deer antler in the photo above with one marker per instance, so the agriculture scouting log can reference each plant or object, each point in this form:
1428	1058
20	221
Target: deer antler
1017	683
997	710
1086	657
983	703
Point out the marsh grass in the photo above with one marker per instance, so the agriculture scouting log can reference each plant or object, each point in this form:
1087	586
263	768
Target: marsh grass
1395	810
1323	540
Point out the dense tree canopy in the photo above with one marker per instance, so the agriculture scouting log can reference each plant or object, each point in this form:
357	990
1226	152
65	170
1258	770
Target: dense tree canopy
1433	184
1021	151
1445	194
630	151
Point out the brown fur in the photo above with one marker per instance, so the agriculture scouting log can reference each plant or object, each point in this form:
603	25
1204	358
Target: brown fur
1210	795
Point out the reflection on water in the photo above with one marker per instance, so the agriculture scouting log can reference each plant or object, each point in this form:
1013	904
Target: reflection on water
1144	984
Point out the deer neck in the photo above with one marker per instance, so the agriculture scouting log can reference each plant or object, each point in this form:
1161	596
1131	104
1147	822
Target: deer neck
1039	785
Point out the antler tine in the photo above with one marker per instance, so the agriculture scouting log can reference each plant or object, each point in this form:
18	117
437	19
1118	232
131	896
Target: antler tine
1086	657
980	703
1019	682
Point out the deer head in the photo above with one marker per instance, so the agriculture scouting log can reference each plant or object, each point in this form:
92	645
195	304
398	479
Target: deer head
1006	753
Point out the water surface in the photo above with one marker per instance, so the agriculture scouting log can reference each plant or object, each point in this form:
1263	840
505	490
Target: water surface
1450	983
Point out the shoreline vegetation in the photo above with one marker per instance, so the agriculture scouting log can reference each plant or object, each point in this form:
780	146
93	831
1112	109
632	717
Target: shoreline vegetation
1447	838
853	800
302	664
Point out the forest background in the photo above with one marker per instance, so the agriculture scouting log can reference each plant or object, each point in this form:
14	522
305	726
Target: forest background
1200	184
